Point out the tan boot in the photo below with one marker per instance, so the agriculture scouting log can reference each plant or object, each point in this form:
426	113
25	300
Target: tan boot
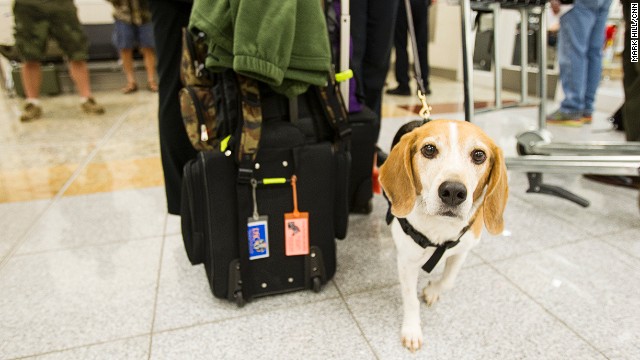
91	107
31	112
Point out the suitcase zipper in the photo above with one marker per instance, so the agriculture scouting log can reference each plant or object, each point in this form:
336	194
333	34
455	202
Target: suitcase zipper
197	66
204	134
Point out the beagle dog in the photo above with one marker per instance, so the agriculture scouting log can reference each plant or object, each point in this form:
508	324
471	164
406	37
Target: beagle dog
443	180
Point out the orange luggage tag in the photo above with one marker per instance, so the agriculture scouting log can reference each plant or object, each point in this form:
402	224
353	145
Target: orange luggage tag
296	227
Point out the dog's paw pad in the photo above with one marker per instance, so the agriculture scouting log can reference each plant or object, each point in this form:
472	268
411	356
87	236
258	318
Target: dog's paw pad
412	338
431	294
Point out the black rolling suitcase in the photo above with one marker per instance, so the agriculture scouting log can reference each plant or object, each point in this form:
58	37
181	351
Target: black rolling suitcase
364	136
364	123
240	203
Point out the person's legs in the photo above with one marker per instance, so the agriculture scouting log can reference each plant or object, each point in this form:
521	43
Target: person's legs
594	55
420	19
31	79
80	76
175	148
381	16
31	32
124	39
147	47
359	11
400	45
66	29
126	56
575	28
149	56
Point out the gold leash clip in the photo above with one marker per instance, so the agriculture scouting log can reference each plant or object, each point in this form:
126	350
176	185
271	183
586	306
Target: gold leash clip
425	112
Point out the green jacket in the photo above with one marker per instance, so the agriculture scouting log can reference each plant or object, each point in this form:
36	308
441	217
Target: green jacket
282	43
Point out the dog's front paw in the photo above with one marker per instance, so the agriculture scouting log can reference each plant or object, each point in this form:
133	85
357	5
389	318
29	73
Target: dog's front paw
431	293
412	337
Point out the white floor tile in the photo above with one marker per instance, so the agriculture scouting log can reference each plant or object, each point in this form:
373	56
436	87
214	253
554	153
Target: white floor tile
174	227
527	229
322	330
367	257
590	286
628	241
63	299
612	209
134	348
482	317
84	282
98	218
15	221
184	296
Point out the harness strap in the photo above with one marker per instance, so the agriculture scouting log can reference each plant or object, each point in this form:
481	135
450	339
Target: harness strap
424	241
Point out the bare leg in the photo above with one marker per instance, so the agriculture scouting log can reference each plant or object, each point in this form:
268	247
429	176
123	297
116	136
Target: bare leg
80	75
126	55
432	291
31	79
149	56
411	329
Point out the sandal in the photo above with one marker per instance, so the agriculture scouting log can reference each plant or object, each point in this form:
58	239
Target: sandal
152	86
130	88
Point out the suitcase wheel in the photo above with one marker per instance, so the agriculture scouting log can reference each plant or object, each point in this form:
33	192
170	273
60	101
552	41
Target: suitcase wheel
239	299
317	284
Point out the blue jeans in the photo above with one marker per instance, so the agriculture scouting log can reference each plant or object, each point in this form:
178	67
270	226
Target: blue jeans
130	36
580	43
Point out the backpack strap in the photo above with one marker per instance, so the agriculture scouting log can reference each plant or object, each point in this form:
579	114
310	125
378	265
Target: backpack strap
335	111
251	127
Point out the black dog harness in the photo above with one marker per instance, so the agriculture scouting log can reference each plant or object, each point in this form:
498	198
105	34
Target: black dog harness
424	241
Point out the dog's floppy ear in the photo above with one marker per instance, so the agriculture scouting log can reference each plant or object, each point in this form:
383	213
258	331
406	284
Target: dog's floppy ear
397	178
497	194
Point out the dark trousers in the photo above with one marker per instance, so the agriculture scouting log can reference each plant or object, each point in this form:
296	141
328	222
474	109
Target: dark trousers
631	81
169	17
420	12
372	23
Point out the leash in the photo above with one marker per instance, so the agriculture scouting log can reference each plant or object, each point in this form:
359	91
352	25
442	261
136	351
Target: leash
425	112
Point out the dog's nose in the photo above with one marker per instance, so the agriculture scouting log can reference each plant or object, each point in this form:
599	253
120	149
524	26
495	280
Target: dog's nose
452	193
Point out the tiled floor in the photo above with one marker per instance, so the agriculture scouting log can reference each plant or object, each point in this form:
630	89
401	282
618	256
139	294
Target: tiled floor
92	267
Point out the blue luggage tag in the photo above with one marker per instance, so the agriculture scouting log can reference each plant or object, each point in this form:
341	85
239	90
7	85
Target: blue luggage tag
257	230
258	235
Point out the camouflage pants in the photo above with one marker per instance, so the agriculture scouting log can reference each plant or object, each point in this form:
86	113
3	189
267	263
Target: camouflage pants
34	24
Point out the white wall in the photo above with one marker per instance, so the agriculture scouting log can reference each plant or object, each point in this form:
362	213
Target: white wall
89	12
445	50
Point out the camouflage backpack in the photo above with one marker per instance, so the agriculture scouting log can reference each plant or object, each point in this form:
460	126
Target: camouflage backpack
197	102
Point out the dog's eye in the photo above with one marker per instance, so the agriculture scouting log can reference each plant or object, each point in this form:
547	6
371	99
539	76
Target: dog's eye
478	156
429	151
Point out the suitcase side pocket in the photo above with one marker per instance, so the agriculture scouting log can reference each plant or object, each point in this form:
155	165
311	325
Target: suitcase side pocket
191	216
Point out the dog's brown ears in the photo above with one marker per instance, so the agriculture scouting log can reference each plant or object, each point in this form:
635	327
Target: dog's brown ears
497	194
397	177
